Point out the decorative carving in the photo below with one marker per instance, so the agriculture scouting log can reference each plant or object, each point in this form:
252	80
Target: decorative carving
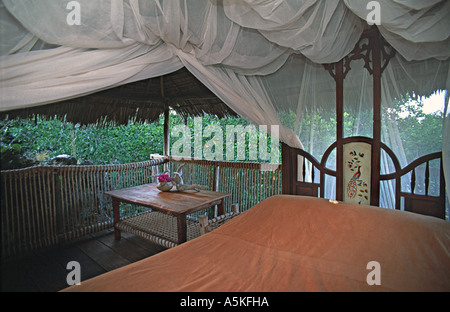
364	50
331	67
357	172
387	52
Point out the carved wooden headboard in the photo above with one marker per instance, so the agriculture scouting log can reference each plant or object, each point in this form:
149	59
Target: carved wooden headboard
418	187
358	171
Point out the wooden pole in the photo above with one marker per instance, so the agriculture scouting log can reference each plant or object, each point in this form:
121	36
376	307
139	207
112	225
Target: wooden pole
166	134
287	183
166	143
166	119
376	146
336	70
339	77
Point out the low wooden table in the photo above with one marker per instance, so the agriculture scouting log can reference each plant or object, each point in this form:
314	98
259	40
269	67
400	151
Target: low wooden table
166	207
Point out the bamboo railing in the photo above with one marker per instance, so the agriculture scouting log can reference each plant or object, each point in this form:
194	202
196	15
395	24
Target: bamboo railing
247	182
46	205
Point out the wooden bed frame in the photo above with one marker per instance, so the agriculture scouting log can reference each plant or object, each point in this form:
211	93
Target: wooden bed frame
313	183
375	53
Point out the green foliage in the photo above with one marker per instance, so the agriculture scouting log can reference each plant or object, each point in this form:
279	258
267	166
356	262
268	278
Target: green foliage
420	133
41	140
317	130
208	139
116	144
27	141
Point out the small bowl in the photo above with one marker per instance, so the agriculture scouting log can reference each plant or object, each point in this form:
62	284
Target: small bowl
164	186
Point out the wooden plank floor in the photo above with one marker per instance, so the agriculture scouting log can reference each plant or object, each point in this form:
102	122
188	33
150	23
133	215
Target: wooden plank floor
45	270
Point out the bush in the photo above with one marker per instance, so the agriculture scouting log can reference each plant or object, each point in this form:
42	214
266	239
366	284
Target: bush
28	141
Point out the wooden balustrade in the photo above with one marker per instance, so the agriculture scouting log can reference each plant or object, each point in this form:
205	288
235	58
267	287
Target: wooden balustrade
247	182
45	205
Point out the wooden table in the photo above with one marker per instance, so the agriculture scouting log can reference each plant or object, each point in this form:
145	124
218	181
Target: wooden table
173	203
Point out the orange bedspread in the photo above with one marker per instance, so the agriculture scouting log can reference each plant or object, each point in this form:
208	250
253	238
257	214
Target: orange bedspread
295	243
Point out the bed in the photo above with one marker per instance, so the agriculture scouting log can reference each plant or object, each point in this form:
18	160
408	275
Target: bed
298	243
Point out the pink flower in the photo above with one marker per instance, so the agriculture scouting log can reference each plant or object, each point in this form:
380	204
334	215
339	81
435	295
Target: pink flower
164	177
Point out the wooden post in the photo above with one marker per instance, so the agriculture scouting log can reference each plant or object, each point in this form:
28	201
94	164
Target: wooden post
166	143
221	208
166	118
339	77
166	138
376	146
203	222
336	71
116	214
215	210
181	228
287	173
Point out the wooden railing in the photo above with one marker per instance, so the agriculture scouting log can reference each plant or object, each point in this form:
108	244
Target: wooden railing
46	205
247	182
418	187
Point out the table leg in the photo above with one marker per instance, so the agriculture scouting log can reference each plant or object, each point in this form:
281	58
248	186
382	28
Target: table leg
182	228
221	208
116	214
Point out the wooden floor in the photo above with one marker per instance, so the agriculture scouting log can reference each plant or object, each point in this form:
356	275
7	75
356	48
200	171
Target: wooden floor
45	270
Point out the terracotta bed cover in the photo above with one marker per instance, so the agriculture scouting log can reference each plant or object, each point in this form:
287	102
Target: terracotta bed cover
297	243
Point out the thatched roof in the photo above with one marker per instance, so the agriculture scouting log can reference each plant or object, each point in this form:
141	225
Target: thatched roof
144	100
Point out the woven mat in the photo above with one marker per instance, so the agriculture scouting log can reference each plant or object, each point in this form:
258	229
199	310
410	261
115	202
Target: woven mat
159	228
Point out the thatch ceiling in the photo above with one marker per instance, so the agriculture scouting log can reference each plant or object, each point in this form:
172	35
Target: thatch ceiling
144	100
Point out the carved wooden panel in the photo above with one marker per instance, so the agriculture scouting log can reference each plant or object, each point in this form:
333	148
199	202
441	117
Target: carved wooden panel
357	172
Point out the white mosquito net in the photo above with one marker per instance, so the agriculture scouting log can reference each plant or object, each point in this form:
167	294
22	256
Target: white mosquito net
262	58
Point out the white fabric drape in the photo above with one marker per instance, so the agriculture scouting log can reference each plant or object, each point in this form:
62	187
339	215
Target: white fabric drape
53	75
247	94
262	58
418	30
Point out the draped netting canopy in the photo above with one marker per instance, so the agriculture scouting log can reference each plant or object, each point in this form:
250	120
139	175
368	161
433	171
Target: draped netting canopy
263	59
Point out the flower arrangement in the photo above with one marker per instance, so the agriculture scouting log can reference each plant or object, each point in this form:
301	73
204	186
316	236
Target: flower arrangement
165	182
164	177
